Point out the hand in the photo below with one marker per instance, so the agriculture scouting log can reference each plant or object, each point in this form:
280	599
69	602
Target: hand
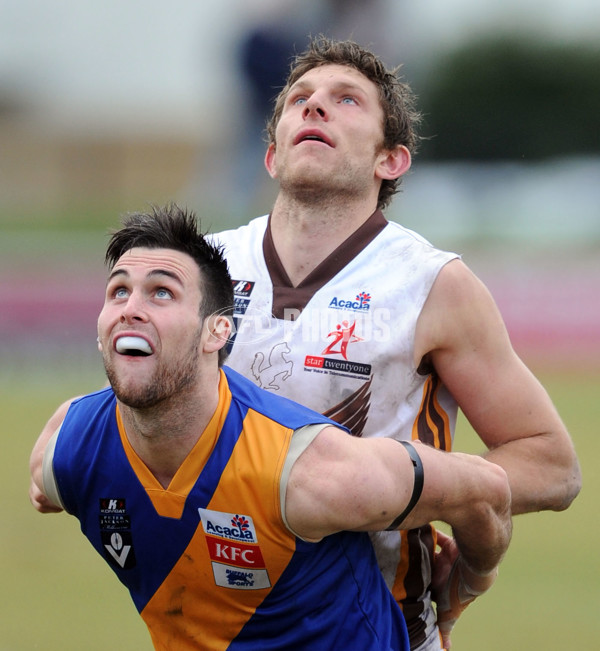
40	502
454	585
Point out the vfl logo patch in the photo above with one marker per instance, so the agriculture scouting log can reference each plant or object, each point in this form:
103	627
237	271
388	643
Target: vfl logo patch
118	549
115	533
236	558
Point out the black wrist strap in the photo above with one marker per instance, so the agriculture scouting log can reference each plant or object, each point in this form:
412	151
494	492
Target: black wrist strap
417	486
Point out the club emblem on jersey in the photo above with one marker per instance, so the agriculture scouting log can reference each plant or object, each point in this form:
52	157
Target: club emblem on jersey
236	558
342	336
270	372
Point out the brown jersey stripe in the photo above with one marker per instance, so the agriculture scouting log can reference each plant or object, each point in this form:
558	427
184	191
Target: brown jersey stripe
416	550
353	411
431	424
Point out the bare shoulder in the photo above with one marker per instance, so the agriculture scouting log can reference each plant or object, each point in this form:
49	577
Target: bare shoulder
457	285
459	312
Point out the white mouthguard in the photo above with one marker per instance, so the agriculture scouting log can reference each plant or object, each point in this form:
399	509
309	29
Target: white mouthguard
133	343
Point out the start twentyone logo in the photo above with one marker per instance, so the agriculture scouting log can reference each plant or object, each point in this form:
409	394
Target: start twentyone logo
236	557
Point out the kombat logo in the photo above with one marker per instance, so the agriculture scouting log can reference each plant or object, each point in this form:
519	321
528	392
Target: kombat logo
228	525
361	302
242	288
241	296
112	505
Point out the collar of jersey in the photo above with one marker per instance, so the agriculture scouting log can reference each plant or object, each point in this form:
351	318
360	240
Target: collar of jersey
169	502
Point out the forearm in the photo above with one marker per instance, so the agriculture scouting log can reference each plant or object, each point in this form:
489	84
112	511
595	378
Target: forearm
483	537
543	472
473	497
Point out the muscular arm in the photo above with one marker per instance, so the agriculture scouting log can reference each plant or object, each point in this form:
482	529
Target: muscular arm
461	332
37	494
344	483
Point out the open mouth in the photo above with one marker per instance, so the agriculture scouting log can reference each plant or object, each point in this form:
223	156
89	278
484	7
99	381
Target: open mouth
316	138
133	346
312	136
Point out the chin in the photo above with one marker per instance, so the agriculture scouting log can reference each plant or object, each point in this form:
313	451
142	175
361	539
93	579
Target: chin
138	398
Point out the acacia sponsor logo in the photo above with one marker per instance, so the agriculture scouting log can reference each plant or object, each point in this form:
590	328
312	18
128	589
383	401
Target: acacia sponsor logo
231	526
361	302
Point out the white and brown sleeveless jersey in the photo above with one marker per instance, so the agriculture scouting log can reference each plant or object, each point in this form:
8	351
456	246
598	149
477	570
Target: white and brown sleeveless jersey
342	343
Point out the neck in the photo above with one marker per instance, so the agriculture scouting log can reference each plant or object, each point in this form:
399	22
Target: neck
163	435
304	235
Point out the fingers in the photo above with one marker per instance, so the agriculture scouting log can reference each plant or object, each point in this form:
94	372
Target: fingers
442	538
446	642
462	588
455	586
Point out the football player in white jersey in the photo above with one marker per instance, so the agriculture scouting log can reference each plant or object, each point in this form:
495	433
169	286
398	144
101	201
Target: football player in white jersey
365	321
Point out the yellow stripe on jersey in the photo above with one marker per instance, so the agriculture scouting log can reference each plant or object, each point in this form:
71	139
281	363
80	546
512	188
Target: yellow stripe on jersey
214	614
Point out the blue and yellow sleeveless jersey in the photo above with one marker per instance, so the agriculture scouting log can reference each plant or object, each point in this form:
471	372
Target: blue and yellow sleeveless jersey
208	561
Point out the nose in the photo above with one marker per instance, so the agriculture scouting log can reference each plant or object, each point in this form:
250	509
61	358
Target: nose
133	310
315	107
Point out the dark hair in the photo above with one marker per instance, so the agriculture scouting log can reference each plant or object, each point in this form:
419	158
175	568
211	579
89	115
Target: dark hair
171	227
400	117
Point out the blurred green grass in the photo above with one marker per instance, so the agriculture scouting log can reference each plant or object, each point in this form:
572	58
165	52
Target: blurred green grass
58	594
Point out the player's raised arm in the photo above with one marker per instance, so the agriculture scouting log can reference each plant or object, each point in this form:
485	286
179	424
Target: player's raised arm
340	482
37	492
461	332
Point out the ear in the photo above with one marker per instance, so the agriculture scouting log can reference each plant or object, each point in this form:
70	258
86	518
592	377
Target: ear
219	331
270	161
99	344
393	163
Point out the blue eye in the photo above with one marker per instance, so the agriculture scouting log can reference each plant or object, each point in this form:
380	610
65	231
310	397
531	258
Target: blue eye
348	100
300	100
163	293
121	292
